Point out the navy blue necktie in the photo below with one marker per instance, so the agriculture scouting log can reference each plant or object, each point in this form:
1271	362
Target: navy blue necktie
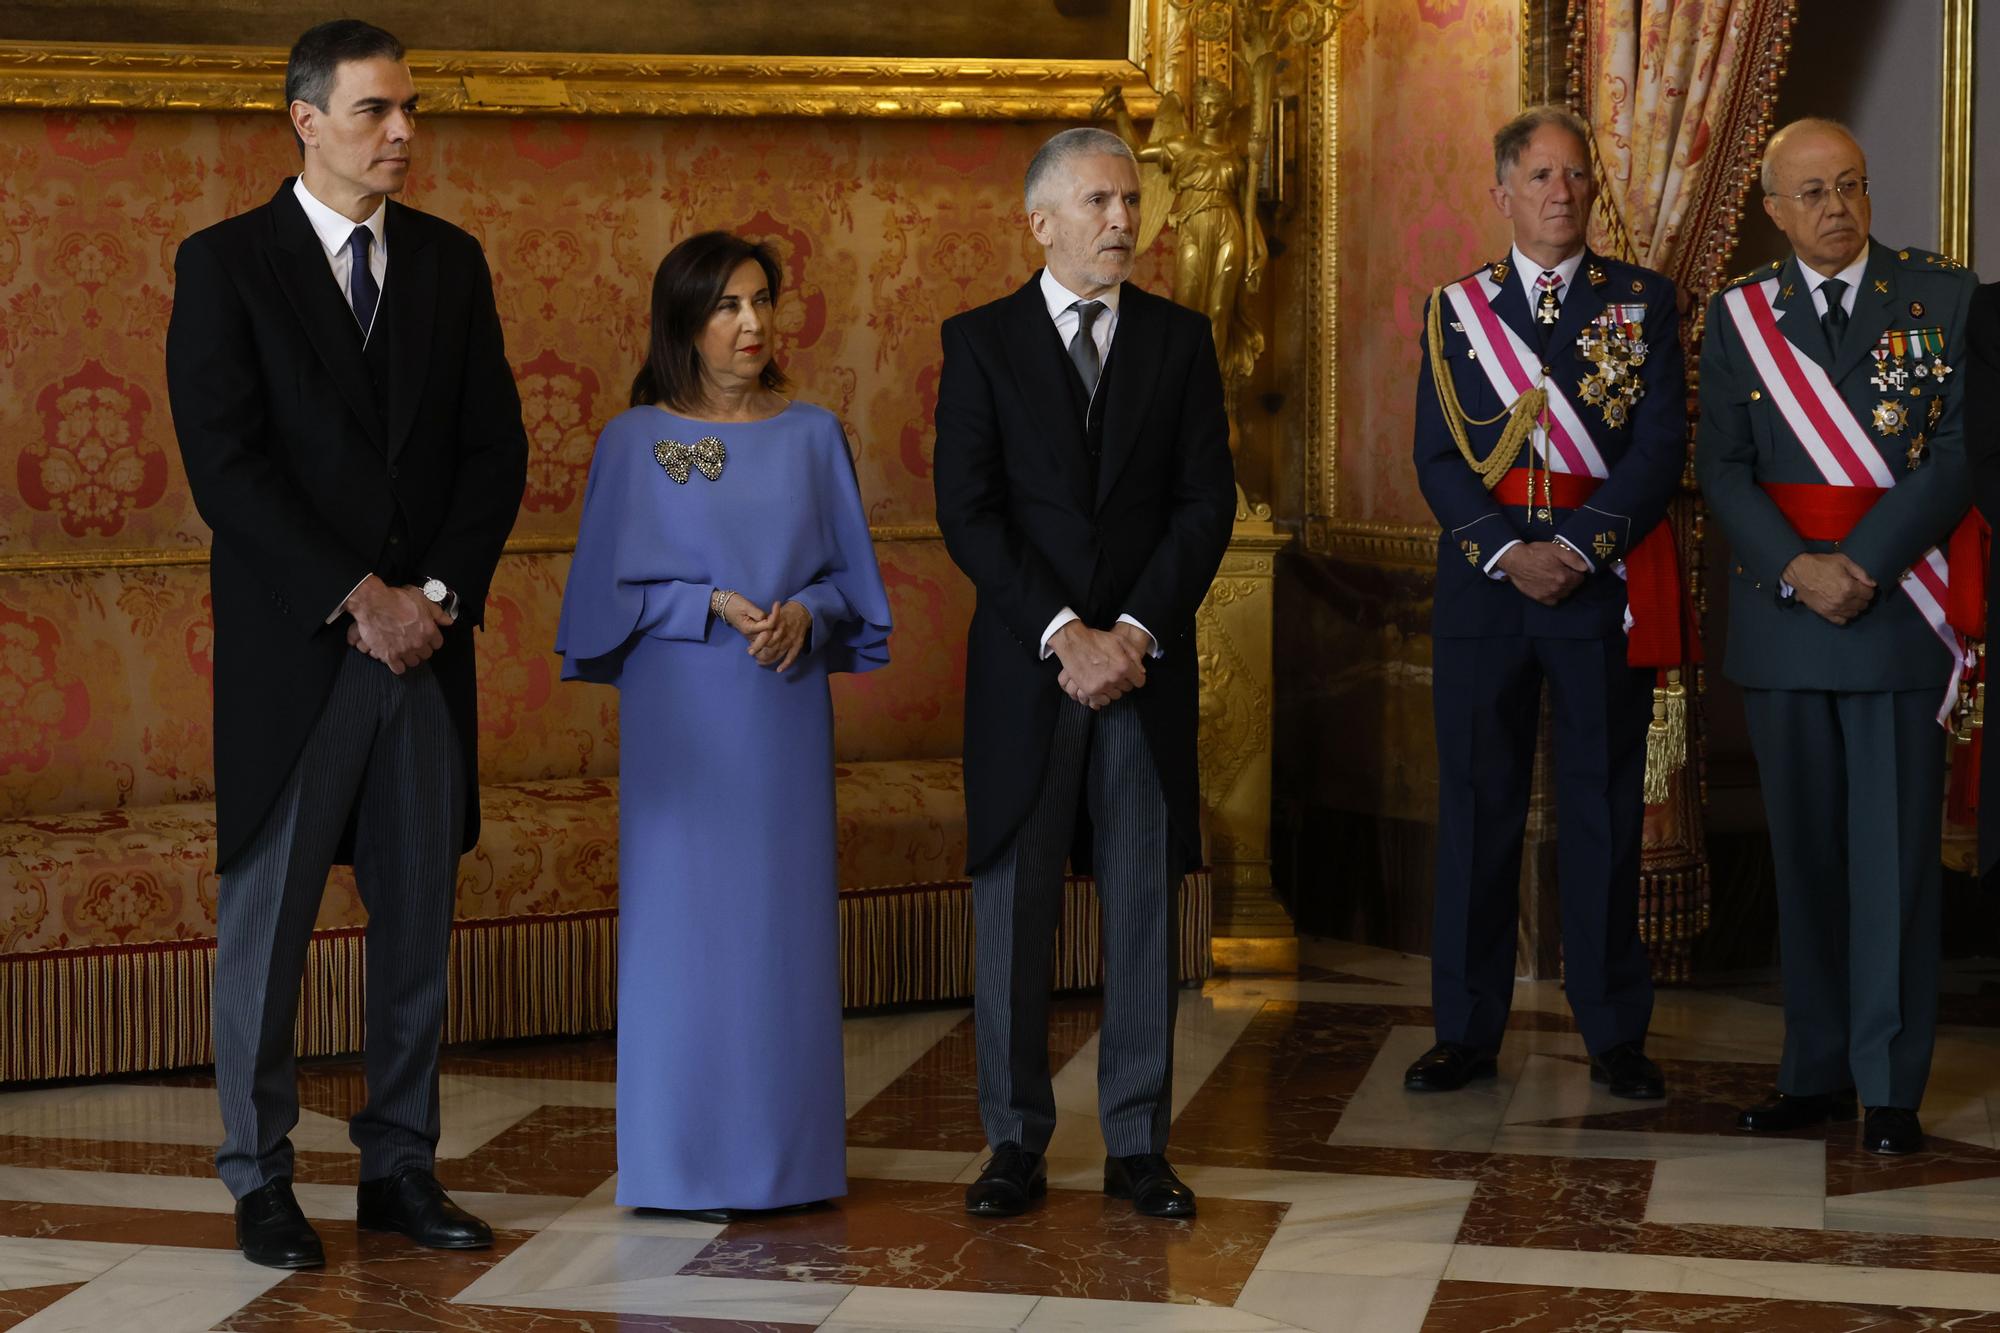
1834	321
362	293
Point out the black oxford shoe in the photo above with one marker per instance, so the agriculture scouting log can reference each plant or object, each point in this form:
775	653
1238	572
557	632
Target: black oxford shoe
272	1230
1786	1111
1150	1183
1626	1072
1892	1131
1447	1067
1011	1179
412	1203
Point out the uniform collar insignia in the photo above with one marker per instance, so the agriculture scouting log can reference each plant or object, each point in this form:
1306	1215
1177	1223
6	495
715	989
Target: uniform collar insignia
1595	274
1500	270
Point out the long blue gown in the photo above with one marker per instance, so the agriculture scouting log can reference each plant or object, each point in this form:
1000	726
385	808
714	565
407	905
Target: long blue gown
730	1087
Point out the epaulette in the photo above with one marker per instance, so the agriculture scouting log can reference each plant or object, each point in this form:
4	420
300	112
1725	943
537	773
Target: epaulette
1758	274
1927	259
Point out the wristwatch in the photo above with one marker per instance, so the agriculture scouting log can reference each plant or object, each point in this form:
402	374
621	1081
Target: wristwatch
435	590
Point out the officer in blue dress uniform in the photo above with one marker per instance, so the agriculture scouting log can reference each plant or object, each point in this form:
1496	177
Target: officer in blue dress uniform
1531	589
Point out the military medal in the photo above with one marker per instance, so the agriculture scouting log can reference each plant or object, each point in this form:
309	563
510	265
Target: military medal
1547	311
1916	450
1614	343
1891	416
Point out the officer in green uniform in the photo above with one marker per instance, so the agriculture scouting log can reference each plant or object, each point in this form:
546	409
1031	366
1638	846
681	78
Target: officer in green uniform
1830	450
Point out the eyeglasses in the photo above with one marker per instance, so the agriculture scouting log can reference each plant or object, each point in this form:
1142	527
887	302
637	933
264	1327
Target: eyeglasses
1816	197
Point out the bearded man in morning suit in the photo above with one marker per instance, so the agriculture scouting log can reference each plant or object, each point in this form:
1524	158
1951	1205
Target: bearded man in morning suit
1084	485
352	435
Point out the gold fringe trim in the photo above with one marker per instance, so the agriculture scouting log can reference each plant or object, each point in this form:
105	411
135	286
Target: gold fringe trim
1666	738
124	1009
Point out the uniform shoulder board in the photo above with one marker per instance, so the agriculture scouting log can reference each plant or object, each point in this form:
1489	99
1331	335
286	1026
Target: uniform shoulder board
1758	274
1911	257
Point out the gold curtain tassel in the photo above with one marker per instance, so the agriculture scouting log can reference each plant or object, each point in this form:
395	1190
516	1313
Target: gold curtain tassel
1666	738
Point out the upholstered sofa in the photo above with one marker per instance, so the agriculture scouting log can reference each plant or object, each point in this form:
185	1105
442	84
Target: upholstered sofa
107	877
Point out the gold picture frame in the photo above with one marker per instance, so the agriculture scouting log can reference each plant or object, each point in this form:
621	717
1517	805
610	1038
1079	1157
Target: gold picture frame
50	75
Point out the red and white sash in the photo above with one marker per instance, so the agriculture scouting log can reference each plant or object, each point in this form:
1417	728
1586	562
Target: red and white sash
1562	441
1839	447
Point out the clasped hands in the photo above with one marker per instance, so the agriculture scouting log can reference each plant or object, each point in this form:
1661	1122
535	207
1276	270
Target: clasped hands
398	627
1099	666
1830	584
1544	571
777	636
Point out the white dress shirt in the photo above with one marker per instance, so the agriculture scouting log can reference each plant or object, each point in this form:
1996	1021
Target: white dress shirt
1059	299
1530	275
333	228
1851	275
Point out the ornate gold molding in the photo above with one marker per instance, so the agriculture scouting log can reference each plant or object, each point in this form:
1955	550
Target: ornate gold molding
57	562
82	75
1955	133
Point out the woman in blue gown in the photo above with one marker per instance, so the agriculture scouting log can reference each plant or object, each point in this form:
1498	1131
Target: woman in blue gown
723	569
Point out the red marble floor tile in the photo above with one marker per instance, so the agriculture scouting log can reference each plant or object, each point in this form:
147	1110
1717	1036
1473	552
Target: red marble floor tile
1276	1098
934	1104
567	1150
1481	1307
16	1306
382	1284
579	1059
1851	1169
120	1226
1597	1204
909	1234
1313	972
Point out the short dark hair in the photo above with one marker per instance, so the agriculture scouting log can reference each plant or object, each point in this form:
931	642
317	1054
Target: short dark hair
686	289
325	47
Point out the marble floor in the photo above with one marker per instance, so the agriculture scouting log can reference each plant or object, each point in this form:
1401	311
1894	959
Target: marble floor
1331	1199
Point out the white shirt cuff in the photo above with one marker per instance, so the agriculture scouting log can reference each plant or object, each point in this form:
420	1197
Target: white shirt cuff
1492	567
1153	651
343	601
1592	564
1063	617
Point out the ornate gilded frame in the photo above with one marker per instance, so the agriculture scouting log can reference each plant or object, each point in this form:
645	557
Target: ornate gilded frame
140	77
1955	143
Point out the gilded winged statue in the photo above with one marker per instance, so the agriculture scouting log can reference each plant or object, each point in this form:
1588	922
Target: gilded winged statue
1200	179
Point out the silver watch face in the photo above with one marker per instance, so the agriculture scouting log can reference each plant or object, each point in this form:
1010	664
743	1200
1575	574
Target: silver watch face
435	590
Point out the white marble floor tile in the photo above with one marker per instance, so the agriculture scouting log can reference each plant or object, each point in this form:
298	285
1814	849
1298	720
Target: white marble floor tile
1781	1185
1752	1278
722	1298
1552	1088
911	1164
1382	1113
473	1113
41	1261
556	1262
1634	1145
160	1290
133	1113
599	1213
902	1308
1071	1314
1321	1303
542	1091
878	1049
1958	1208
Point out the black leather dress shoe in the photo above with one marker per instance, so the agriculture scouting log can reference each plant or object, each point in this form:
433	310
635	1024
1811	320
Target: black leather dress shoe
413	1203
272	1230
729	1216
1150	1183
1626	1072
1786	1111
1011	1179
1447	1067
1892	1131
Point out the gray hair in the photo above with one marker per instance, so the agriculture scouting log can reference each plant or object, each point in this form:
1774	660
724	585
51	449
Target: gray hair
1054	157
1512	138
1767	176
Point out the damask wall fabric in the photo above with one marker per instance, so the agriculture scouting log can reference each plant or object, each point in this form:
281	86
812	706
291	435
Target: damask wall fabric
1423	85
885	228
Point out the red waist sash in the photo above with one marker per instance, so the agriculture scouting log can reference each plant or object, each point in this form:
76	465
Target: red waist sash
1663	633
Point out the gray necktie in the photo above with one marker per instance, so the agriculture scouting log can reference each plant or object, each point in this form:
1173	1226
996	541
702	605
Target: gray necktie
1083	347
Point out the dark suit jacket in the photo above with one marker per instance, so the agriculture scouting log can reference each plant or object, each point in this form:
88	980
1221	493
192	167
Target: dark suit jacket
1020	518
302	474
1980	369
1645	455
1776	642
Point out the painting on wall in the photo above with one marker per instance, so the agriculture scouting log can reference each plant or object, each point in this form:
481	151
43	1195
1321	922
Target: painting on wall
954	29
